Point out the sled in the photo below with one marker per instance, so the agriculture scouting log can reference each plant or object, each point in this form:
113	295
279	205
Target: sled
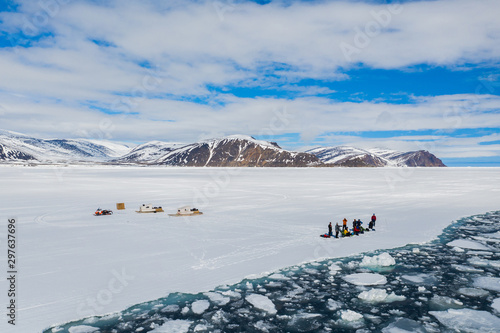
149	209
186	211
325	236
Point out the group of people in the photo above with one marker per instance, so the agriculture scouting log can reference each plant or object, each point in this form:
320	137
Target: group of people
357	227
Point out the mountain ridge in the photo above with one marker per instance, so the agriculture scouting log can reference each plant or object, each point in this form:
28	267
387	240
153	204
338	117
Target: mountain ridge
378	157
58	150
236	151
227	151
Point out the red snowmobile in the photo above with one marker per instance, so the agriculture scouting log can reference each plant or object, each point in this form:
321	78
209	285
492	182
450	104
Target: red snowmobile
100	212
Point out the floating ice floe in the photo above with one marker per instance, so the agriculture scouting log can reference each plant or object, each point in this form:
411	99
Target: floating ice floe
466	269
484	262
304	321
468	244
379	296
496	305
487	239
262	326
458	249
487	282
423	279
467	320
349	315
173	326
83	329
382	260
334	269
217	298
333	305
262	303
201	328
473	292
170	308
274	284
232	294
491	235
366	279
403	325
396	312
422	289
201	306
441	303
310	271
479	253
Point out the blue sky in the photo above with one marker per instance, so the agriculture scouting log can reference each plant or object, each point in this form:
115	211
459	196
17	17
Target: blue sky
400	75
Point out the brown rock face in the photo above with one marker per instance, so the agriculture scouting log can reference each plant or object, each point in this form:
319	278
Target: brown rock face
421	158
237	152
355	157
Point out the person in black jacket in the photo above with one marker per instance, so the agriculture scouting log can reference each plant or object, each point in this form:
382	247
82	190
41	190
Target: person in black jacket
330	229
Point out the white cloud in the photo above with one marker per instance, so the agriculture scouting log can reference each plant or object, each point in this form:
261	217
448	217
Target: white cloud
49	88
193	47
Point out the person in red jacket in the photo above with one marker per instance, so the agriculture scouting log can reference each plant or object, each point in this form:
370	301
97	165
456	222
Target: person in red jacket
374	218
355	230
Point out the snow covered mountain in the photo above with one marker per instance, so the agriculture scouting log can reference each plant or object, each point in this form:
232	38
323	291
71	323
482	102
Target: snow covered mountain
148	152
230	151
351	156
20	147
236	151
11	154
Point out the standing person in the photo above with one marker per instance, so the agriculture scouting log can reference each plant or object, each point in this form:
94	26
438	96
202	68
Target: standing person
359	226
330	229
354	223
345	224
374	218
337	230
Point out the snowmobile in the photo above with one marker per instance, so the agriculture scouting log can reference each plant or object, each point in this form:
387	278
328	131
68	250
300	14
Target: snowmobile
100	212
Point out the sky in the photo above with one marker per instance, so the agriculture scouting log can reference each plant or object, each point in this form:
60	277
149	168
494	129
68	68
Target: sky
406	75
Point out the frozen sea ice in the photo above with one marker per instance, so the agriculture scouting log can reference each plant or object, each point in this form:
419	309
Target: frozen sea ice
467	320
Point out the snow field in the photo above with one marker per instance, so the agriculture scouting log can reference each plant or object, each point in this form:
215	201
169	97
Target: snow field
255	221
